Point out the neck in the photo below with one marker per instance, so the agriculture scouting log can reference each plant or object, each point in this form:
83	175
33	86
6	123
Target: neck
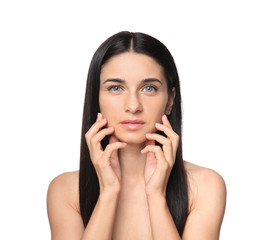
132	164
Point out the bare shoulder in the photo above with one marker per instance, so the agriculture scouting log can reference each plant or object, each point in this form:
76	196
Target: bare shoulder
202	175
70	177
65	187
63	207
207	197
207	201
204	183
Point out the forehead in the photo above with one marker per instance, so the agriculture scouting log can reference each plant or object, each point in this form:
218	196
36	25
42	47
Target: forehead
130	65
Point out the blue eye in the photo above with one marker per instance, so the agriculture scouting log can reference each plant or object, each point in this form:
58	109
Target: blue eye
115	88
149	88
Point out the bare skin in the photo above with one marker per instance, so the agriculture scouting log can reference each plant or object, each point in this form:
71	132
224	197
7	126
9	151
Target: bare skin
66	223
132	171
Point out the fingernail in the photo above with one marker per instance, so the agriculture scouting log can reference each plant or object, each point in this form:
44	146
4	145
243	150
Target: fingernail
165	116
143	151
98	116
158	124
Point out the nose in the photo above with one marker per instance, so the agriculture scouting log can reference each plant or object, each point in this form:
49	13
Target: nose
133	103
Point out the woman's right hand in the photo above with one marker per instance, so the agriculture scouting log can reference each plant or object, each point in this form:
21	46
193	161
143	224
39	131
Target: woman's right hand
106	161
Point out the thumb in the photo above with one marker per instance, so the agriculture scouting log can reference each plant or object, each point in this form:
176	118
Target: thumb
150	155
113	139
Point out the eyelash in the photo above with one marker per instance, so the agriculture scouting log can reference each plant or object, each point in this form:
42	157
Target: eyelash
151	86
116	86
111	87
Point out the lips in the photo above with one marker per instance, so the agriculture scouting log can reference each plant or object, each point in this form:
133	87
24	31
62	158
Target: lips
132	124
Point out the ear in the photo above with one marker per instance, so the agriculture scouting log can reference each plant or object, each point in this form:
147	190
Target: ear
170	102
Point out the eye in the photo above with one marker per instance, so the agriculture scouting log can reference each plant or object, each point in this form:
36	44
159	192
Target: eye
149	88
114	88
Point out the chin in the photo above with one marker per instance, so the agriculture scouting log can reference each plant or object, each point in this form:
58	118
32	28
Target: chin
131	138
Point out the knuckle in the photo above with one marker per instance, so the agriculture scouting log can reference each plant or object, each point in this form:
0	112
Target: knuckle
158	148
168	141
92	140
153	148
170	164
164	165
87	135
109	147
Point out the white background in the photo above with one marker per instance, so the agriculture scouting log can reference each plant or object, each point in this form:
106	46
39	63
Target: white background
222	52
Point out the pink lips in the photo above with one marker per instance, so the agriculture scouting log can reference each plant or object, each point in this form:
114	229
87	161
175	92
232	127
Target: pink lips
132	124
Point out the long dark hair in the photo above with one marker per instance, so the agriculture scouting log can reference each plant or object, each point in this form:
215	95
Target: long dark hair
177	192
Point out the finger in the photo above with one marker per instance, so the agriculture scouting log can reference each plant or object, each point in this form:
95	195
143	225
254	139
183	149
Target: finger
174	138
170	132
165	121
166	145
95	141
113	139
158	153
167	130
154	136
150	142
95	128
99	116
112	147
101	134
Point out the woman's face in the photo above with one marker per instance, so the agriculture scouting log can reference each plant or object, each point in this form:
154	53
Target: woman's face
133	95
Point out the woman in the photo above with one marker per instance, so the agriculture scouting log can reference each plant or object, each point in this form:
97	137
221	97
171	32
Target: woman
133	182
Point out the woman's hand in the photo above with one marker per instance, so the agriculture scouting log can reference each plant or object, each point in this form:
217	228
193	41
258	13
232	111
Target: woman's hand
106	161
159	162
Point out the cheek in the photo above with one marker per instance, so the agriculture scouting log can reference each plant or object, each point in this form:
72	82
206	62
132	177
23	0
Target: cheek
156	109
109	109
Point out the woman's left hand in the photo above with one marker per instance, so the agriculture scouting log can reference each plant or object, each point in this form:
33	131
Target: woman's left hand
159	162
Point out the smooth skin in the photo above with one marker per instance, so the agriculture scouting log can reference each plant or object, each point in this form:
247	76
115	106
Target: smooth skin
133	172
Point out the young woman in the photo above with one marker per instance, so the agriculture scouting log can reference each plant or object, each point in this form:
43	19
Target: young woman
133	182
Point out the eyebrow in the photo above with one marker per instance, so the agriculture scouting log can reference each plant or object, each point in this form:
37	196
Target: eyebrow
147	80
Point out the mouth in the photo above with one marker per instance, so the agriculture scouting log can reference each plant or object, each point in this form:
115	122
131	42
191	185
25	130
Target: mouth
132	124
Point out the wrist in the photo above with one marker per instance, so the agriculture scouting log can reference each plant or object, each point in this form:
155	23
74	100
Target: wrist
159	193
109	195
156	197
